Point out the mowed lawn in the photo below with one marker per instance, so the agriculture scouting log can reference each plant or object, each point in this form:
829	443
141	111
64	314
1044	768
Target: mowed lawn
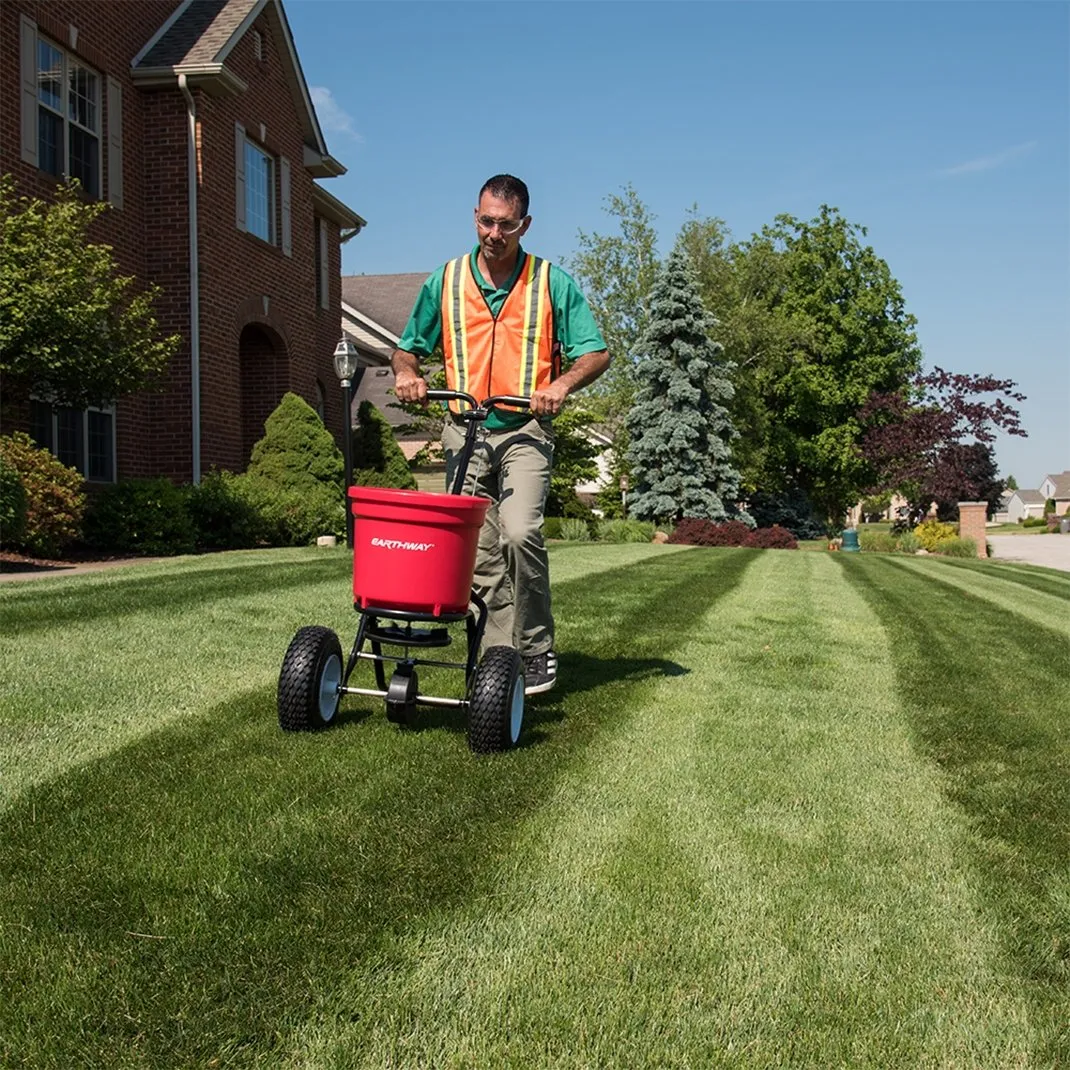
784	809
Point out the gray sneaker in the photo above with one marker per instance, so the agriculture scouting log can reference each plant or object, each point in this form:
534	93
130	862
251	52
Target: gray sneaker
540	673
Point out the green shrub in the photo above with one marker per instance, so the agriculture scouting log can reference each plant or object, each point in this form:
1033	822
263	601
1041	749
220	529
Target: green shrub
908	543
877	542
222	518
957	547
140	516
625	531
932	532
12	505
771	538
297	451
377	457
292	516
575	530
1034	522
551	527
55	498
295	478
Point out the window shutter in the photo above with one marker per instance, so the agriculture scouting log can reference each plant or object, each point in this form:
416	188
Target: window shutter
239	175
325	290
115	143
284	206
28	66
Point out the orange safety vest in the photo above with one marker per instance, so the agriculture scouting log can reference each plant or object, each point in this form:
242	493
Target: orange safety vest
512	353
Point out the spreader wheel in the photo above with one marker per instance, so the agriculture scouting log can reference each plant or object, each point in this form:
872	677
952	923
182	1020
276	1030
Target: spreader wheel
496	701
310	679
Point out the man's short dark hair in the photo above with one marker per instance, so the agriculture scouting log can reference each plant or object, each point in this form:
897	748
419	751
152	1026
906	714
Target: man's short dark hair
507	188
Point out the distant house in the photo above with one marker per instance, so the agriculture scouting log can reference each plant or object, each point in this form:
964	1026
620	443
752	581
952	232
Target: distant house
1023	504
1058	488
375	310
192	118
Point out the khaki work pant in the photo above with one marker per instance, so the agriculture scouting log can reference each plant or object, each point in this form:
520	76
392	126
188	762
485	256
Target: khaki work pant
512	469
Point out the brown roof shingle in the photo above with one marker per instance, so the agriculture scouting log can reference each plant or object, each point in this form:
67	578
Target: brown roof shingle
199	33
387	299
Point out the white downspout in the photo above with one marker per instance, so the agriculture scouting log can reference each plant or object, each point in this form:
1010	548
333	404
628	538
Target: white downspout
194	282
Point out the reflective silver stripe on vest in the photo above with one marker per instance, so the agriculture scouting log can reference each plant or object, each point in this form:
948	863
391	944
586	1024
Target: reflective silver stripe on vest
531	334
460	353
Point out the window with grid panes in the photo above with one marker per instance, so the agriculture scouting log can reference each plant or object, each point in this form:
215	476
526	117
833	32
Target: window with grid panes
68	117
82	439
259	193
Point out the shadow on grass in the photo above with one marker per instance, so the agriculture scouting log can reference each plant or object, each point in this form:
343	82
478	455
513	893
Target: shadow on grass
38	609
203	893
988	693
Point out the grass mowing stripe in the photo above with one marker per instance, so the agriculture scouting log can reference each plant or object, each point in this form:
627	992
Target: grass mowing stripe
1040	606
1033	577
37	607
88	663
988	699
204	891
752	870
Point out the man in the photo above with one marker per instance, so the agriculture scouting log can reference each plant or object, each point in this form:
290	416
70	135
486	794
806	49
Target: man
504	319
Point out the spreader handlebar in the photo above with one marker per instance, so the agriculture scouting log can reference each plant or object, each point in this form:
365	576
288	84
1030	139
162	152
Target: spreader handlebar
488	404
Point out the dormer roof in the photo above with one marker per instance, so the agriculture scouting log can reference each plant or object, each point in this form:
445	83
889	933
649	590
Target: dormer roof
196	41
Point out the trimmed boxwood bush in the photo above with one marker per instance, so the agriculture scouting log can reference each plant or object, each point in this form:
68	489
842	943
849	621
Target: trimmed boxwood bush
12	505
297	451
224	519
55	498
295	477
293	516
377	457
140	516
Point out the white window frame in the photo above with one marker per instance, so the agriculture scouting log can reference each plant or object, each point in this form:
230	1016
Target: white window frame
68	63
254	152
53	444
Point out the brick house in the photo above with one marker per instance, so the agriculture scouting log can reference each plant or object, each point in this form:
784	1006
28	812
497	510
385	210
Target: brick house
375	310
194	120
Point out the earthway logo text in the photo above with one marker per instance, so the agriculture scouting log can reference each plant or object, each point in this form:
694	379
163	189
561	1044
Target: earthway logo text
398	544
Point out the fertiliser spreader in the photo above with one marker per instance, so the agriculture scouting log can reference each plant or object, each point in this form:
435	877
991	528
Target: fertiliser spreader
413	559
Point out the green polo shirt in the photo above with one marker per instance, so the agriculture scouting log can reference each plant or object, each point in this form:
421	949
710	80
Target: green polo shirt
574	326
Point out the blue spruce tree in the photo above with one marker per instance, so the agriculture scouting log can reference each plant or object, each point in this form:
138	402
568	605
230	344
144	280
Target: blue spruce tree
681	432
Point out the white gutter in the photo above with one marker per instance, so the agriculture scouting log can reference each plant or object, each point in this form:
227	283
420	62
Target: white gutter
194	283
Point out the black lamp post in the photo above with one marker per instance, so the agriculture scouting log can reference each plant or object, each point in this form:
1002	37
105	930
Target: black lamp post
345	367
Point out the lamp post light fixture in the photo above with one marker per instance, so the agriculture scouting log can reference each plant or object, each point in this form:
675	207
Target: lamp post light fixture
345	367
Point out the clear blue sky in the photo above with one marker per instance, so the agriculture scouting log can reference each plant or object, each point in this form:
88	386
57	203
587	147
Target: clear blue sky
943	128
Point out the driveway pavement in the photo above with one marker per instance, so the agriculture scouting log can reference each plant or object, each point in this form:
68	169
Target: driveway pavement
1051	551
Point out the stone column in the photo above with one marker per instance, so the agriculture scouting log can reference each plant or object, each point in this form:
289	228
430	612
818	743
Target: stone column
972	524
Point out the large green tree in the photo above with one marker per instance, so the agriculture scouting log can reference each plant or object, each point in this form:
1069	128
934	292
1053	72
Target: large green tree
617	272
812	323
680	427
852	337
72	328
